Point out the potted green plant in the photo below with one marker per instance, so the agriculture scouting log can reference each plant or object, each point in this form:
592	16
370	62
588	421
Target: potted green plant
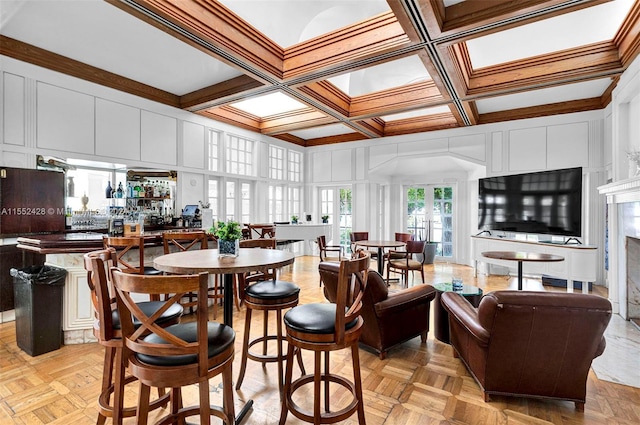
294	219
228	235
325	218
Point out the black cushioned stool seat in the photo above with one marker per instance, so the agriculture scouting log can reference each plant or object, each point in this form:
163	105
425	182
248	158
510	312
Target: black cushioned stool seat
267	295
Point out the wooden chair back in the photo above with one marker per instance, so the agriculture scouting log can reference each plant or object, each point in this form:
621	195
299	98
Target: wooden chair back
258	243
184	241
136	338
325	250
246	278
354	237
403	237
102	291
414	247
127	245
352	282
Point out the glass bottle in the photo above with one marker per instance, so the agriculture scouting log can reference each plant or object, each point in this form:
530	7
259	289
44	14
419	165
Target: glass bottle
136	191
119	191
108	192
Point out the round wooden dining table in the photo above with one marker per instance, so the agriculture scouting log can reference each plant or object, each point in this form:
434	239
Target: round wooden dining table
520	257
380	245
209	260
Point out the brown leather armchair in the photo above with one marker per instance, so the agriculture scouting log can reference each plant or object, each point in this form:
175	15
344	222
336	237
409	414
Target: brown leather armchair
390	318
529	344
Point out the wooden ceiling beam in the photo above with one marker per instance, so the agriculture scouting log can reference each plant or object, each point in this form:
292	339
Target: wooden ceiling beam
419	124
542	110
296	120
411	96
583	63
212	96
496	15
329	95
628	37
330	140
49	60
217	25
233	116
369	38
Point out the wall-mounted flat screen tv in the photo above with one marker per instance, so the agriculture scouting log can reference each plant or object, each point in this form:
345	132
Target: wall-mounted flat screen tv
546	202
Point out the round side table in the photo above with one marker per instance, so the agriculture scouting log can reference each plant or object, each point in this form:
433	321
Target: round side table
440	315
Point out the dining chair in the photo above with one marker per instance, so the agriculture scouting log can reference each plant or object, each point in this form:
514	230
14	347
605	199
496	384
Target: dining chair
130	254
107	330
262	291
406	260
354	237
179	355
323	328
325	251
181	241
400	237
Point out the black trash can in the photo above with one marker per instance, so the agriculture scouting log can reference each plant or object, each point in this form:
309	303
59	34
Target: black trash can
38	308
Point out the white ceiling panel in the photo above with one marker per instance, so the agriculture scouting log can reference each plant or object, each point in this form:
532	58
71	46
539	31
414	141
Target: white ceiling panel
584	90
324	131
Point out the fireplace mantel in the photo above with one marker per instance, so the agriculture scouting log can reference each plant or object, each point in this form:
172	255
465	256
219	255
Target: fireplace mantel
622	191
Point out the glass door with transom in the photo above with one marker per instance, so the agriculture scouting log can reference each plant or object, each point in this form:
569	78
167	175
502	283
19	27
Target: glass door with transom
429	216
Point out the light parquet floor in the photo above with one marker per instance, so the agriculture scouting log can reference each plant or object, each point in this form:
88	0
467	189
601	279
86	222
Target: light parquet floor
416	384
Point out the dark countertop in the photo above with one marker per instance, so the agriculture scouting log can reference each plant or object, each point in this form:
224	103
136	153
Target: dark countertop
69	243
80	242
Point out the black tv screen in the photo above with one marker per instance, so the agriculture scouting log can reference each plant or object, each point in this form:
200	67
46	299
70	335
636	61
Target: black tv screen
546	202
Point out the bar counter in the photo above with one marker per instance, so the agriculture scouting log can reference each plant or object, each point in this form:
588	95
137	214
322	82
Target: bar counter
66	250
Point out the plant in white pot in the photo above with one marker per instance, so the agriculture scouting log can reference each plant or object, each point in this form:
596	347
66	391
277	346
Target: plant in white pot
228	235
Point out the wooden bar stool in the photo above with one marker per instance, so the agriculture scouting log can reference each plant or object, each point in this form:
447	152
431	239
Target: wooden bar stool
322	328
187	353
109	334
184	241
266	293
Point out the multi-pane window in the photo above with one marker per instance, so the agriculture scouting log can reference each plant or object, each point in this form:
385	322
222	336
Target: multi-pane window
214	154
213	197
230	201
245	202
276	203
276	162
239	156
295	166
294	202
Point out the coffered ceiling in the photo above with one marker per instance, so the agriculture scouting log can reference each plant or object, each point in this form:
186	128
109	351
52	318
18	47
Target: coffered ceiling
317	72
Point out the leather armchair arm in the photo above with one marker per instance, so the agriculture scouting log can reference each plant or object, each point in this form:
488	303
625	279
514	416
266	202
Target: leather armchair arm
467	315
405	299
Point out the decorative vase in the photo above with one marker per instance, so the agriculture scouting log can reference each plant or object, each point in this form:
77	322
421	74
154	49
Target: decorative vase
228	248
325	220
430	252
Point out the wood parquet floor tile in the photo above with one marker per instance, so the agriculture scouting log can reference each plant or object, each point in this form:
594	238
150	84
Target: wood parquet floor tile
416	384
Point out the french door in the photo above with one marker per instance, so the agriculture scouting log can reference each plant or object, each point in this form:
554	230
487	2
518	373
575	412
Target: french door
336	203
430	216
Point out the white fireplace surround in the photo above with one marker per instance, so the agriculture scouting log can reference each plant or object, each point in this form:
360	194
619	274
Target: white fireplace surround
623	199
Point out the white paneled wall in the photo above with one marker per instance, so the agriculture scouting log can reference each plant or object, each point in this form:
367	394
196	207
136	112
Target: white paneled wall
159	138
65	120
117	130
